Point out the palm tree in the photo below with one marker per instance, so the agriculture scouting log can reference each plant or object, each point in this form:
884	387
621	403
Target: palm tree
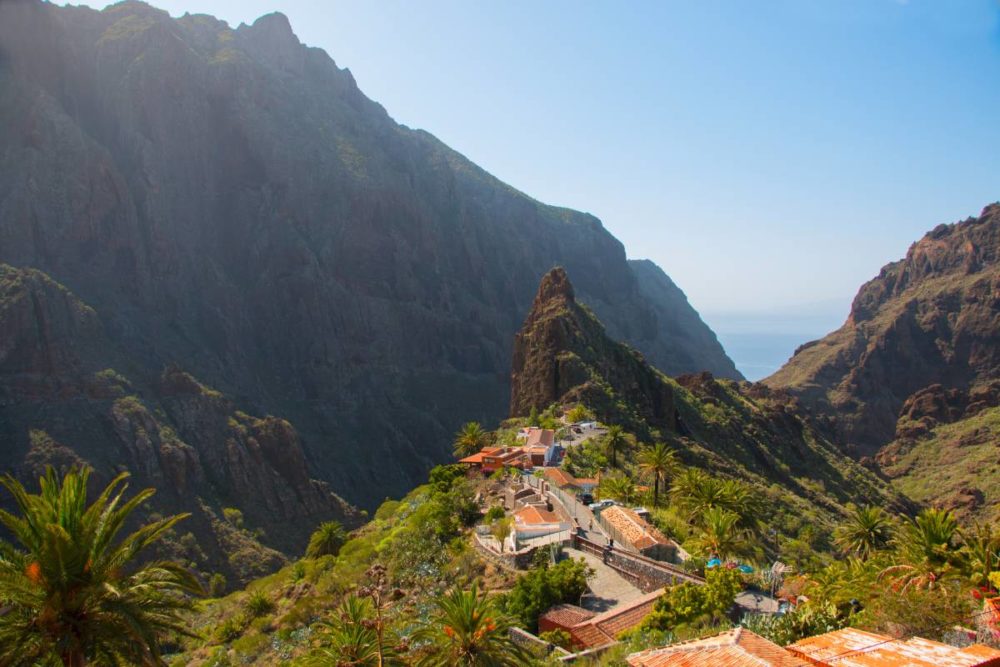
658	462
927	549
469	440
467	630
867	530
326	540
619	487
71	592
719	534
982	551
350	638
695	491
614	440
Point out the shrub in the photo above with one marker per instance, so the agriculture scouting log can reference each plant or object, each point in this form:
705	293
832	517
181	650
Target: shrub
326	540
233	516
559	637
544	587
258	604
217	585
696	605
298	571
495	513
231	628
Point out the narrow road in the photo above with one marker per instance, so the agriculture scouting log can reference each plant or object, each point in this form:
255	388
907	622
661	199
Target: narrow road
608	587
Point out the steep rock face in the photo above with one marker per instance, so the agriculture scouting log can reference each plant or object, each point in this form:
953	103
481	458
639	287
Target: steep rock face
63	404
563	355
695	344
229	200
932	318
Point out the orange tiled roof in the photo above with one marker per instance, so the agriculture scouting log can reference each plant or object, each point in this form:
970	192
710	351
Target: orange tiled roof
851	647
530	515
559	477
640	534
540	436
478	456
733	648
566	615
603	628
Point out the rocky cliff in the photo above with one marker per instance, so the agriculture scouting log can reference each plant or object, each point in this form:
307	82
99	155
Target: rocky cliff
562	355
228	199
932	318
65	401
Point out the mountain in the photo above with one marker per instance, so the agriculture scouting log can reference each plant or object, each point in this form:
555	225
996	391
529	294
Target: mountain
62	403
945	450
564	356
227	200
930	318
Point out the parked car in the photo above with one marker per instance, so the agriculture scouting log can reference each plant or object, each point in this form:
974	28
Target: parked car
601	504
586	498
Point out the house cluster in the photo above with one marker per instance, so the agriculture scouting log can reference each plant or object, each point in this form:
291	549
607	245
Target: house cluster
841	648
534	516
537	447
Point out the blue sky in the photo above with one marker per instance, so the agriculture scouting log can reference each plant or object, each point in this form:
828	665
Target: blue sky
770	155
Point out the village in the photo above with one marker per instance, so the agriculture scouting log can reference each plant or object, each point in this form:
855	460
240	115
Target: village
537	507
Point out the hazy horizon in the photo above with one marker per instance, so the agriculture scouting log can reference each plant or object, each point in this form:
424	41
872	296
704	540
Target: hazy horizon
769	157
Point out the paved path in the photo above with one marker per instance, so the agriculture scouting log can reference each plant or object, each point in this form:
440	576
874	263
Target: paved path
608	587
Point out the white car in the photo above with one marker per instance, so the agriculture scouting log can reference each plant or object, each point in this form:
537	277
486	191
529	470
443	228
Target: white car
601	504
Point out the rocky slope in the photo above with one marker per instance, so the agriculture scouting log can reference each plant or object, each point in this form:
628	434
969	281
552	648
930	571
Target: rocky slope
946	450
563	355
932	318
229	200
63	402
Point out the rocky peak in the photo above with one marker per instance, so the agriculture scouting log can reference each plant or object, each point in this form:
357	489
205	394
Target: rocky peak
555	286
930	320
563	355
272	40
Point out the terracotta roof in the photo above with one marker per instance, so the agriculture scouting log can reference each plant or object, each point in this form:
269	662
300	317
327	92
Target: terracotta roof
856	648
541	436
603	628
630	525
559	477
734	648
478	456
530	515
566	615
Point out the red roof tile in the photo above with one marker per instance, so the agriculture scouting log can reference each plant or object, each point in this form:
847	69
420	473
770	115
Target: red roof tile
734	648
566	615
530	515
851	647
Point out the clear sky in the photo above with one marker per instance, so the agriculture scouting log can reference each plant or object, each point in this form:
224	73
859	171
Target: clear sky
769	155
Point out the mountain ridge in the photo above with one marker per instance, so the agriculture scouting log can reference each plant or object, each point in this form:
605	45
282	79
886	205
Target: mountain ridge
229	200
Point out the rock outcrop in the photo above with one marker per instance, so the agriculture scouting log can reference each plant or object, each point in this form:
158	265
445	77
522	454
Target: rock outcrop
932	318
562	355
228	199
64	403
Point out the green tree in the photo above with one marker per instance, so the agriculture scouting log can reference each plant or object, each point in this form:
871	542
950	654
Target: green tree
501	529
467	630
694	605
982	553
469	440
579	413
545	586
927	549
619	487
868	529
719	533
658	463
326	540
695	491
615	440
71	591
